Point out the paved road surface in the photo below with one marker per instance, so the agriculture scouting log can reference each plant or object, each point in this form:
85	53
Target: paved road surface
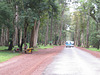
72	61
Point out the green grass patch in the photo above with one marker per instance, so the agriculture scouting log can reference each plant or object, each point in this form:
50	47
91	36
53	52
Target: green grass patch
3	47
93	49
45	47
5	55
35	49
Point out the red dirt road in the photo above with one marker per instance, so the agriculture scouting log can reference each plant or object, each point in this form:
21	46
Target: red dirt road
29	64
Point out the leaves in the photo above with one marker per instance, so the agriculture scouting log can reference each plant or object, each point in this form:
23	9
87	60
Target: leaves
5	14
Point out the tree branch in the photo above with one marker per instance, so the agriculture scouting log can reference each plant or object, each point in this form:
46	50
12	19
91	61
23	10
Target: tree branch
93	14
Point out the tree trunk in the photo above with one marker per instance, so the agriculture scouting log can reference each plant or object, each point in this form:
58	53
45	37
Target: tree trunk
75	35
15	36
46	35
51	30
82	39
97	28
32	35
79	36
11	45
15	39
25	30
2	36
36	33
87	36
60	34
21	45
7	37
55	33
20	36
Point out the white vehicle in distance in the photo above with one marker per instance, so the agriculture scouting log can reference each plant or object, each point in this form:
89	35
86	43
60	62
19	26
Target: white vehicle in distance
69	44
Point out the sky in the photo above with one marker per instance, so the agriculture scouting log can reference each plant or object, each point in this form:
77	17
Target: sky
72	5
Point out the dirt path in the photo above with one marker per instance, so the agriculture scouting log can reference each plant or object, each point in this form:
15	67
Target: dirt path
29	64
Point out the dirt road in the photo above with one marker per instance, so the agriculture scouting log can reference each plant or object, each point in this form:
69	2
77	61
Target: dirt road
29	64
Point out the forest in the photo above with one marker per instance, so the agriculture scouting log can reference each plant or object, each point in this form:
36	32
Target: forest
43	22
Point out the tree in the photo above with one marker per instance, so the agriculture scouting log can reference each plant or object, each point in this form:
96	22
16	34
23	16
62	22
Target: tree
5	17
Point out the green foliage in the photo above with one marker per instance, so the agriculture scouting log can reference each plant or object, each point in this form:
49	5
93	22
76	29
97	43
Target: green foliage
94	39
4	56
3	47
45	47
5	14
93	49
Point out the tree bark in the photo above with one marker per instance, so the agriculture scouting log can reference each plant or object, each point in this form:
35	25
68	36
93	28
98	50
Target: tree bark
36	33
2	36
51	30
87	36
97	28
7	37
79	36
20	36
11	45
75	35
21	45
32	35
25	29
60	34
82	39
15	36
46	35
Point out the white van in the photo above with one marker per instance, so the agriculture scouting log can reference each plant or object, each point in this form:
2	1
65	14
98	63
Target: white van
69	43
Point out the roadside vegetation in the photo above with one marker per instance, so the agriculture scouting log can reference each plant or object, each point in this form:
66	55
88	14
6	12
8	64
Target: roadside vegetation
45	47
93	49
6	55
3	47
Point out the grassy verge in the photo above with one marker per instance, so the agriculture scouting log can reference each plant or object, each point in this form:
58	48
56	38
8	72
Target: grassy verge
93	49
5	55
45	47
3	47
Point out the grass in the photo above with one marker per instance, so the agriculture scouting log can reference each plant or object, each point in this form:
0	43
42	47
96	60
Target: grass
3	47
35	49
45	47
6	55
93	49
